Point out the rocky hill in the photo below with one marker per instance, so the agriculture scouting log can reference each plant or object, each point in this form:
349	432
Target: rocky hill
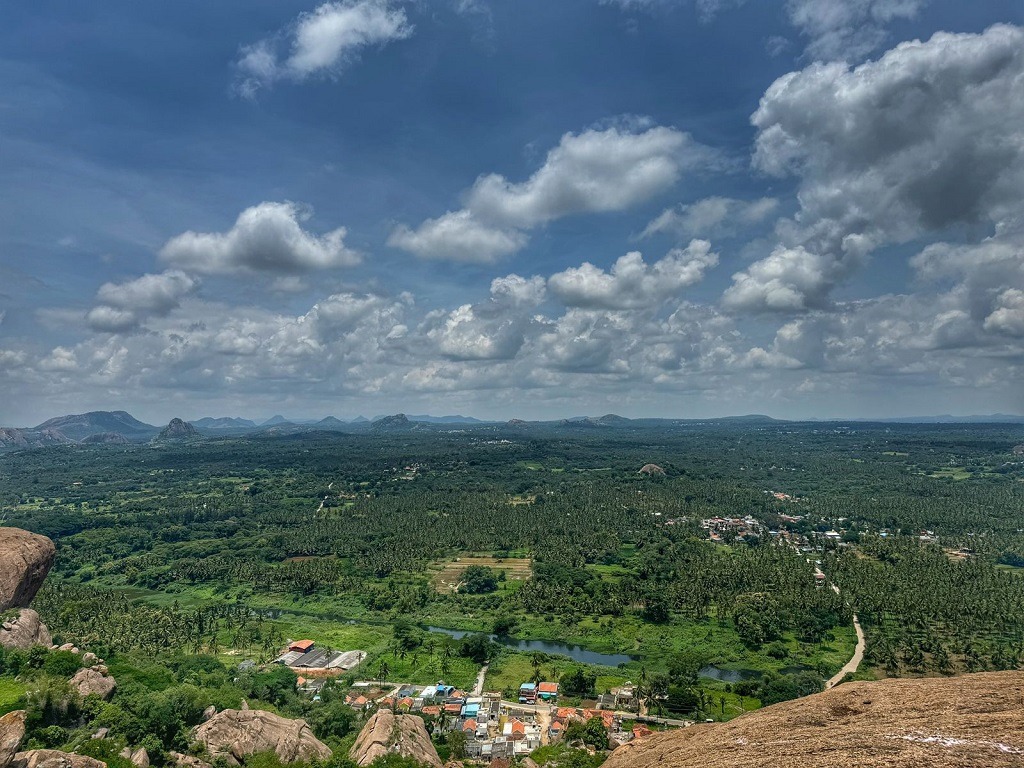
13	439
80	425
397	423
974	720
386	733
178	429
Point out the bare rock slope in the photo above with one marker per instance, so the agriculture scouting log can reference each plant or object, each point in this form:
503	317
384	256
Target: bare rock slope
973	720
385	733
12	731
235	733
24	630
51	758
25	559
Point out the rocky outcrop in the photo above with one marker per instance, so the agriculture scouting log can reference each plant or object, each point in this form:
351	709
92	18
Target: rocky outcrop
235	733
139	758
23	630
25	559
650	469
972	720
186	761
178	430
385	733
94	681
12	731
51	758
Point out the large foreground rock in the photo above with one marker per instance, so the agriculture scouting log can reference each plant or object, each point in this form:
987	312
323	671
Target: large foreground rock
235	733
25	559
51	758
973	720
93	681
12	731
24	630
386	732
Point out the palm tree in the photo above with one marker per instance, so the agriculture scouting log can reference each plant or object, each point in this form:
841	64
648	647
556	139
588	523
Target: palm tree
382	672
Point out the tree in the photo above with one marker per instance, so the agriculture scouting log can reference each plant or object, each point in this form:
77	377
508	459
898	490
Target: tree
479	580
456	741
591	732
577	681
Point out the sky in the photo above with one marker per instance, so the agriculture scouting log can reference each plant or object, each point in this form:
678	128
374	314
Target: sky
530	209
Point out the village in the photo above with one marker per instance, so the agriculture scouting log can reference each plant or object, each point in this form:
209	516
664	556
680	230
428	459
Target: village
493	728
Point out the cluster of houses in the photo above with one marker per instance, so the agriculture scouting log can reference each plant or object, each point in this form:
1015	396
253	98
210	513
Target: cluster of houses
500	729
531	693
308	660
738	528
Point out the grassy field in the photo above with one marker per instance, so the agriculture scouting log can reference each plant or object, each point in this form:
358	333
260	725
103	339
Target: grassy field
12	695
447	578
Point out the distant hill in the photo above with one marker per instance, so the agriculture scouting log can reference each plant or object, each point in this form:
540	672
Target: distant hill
330	421
275	421
428	419
105	438
224	422
12	439
397	423
178	430
79	426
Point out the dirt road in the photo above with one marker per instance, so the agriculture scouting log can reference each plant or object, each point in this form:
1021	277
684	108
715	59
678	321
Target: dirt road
854	662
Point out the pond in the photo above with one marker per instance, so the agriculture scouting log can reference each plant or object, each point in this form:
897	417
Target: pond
574	652
729	675
713	672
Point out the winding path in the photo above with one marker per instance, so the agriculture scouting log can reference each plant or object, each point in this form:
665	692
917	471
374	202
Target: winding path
854	662
858	652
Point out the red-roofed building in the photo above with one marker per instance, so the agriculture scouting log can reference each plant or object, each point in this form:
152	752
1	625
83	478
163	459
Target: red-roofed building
639	731
301	646
432	710
547	691
469	726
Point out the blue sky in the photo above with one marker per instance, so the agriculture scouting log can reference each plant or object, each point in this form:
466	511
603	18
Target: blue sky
530	209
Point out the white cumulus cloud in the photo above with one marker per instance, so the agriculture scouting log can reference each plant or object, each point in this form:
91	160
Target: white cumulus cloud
632	283
123	306
595	171
457	236
321	41
928	137
712	215
267	237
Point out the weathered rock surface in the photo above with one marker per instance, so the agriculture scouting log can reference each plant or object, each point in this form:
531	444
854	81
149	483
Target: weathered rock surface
972	720
235	733
187	761
650	469
12	731
386	732
25	559
51	758
139	758
93	681
24	630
